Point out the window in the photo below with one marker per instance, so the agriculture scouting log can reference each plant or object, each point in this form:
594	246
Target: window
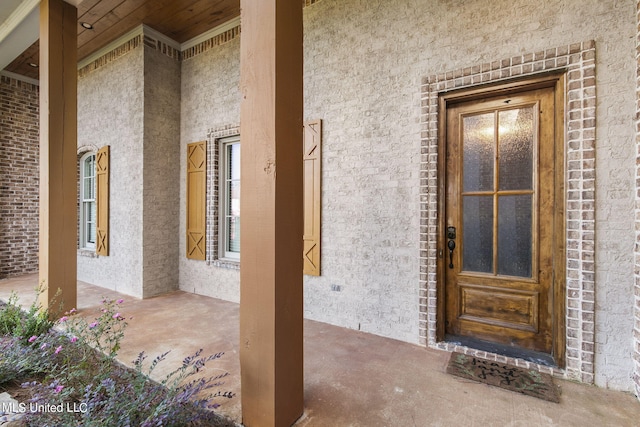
229	202
88	201
224	226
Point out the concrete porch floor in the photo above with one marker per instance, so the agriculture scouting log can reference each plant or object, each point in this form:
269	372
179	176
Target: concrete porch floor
351	378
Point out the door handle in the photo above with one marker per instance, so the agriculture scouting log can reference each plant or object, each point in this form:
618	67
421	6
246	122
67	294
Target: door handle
451	244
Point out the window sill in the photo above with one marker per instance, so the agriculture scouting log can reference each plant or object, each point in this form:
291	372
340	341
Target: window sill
225	263
88	253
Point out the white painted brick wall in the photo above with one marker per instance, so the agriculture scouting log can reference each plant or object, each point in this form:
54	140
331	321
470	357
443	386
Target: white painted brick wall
615	192
210	100
636	326
388	46
142	126
364	61
161	172
105	118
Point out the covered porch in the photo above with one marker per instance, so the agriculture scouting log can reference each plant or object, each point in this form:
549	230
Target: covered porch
351	378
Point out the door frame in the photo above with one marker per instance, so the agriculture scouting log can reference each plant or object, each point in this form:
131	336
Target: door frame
555	80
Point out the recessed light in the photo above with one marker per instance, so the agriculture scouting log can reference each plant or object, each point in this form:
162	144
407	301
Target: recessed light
86	25
33	64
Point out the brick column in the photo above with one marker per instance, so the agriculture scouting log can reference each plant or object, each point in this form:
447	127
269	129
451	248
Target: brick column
58	145
18	158
271	309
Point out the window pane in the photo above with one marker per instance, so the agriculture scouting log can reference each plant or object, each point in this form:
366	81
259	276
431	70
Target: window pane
477	254
233	161
515	149
233	231
89	212
231	201
91	234
89	166
90	222
478	152
87	200
89	188
514	235
233	190
88	174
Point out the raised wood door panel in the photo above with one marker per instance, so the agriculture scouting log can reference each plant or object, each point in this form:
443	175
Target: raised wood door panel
500	200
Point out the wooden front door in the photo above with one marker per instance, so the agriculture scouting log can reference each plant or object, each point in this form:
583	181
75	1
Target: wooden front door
500	216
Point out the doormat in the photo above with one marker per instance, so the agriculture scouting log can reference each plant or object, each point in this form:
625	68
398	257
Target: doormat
529	382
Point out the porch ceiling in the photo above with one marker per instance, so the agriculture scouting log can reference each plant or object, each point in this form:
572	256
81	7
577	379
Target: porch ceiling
180	20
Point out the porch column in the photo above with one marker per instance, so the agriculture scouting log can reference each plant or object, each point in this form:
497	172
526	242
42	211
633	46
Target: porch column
271	309
58	147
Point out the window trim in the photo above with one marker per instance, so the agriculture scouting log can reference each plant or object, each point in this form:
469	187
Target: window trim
223	201
83	216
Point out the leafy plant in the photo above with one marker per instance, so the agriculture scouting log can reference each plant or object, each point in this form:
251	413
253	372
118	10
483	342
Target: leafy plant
10	315
19	361
35	321
78	372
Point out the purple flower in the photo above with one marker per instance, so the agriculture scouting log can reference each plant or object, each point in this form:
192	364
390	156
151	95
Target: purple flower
59	388
43	346
120	301
117	316
33	338
58	350
74	339
93	325
64	319
73	310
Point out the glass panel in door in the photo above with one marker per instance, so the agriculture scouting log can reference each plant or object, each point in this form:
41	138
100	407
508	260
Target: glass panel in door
498	192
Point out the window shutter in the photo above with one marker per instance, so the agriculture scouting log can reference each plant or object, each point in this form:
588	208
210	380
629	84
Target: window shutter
102	201
312	196
196	199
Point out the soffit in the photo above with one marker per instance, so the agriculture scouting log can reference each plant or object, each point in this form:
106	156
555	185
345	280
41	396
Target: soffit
180	20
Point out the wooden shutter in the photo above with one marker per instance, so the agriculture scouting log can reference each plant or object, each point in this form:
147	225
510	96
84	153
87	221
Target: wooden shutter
196	199
102	201
312	196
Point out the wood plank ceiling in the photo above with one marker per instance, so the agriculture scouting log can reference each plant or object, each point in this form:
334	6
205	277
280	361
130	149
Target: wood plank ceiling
180	20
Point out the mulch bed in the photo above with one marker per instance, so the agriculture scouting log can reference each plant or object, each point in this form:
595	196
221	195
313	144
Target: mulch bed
513	378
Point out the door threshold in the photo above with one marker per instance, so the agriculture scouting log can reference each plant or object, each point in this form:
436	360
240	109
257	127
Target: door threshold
503	350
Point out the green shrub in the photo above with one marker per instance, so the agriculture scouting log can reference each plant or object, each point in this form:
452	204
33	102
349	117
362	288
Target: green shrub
24	325
77	370
10	315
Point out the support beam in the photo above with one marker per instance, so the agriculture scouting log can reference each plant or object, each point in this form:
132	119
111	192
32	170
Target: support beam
58	148
271	312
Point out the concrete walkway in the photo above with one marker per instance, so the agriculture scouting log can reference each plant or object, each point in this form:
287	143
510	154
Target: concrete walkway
352	378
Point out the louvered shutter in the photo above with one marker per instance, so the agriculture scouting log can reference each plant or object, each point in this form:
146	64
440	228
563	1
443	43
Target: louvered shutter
312	196
102	201
196	199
